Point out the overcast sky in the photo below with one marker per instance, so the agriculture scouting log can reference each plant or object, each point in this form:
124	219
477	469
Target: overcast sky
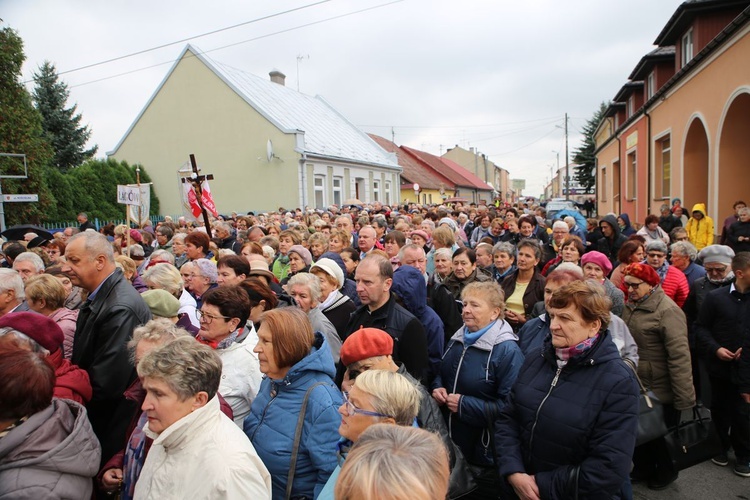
495	75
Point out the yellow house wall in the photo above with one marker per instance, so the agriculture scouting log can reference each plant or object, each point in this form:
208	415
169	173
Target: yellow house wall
407	196
606	184
196	112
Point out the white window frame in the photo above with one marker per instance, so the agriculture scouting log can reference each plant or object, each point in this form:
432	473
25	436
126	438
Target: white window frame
663	151
687	47
651	85
376	190
631	105
338	190
320	190
631	188
388	192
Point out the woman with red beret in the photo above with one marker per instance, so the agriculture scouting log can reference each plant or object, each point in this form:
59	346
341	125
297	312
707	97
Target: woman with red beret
659	328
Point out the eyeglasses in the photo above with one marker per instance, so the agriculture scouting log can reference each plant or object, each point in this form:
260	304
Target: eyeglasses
208	318
630	284
351	409
656	255
716	270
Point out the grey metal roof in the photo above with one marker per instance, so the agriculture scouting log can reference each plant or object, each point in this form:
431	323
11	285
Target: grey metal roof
326	132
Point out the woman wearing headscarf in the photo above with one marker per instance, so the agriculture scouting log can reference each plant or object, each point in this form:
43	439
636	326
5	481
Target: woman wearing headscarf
570	423
659	328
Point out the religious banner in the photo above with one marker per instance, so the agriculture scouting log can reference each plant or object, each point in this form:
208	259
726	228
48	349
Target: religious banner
191	207
208	200
140	212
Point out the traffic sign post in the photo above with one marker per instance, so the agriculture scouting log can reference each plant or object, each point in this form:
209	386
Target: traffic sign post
10	198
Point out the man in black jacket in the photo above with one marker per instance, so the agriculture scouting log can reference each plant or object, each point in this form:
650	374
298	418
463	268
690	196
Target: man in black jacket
105	325
722	327
374	277
613	239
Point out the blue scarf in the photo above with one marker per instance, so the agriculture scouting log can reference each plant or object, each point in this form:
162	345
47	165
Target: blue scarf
471	337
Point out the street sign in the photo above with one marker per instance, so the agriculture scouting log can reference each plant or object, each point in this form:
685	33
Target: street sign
128	195
20	197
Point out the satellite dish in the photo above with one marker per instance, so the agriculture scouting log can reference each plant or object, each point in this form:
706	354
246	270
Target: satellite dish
269	150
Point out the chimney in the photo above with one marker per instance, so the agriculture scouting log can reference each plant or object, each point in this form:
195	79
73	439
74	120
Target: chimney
277	77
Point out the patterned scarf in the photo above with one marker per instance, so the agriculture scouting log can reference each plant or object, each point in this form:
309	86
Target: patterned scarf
566	353
223	344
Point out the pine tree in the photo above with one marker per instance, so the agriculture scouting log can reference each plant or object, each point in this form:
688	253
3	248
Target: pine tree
61	125
584	157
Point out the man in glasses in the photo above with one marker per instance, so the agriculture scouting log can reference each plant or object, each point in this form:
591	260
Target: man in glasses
717	261
673	281
721	330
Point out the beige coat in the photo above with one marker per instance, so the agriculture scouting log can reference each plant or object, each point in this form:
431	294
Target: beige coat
659	328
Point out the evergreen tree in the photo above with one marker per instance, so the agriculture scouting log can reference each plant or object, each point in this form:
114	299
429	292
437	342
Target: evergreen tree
62	126
585	173
21	133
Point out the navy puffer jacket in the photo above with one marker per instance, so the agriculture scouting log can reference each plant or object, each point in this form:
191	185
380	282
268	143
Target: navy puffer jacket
483	374
584	414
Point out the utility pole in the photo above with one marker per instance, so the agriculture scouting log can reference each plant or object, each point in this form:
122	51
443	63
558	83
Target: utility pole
567	161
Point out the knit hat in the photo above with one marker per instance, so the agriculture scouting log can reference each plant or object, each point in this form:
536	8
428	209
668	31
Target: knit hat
302	252
599	259
720	254
422	234
162	303
38	327
331	268
449	221
643	272
366	343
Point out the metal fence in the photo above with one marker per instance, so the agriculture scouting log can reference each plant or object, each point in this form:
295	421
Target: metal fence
97	222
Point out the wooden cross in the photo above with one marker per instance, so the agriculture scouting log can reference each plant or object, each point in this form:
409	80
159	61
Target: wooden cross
196	180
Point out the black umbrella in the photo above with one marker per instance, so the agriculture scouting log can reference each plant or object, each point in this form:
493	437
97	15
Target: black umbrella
16	233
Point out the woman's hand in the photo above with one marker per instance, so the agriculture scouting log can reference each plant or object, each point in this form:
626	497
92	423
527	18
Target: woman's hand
515	317
112	479
524	485
454	401
440	395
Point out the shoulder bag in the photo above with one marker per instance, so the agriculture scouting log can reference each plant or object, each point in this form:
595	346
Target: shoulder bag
297	439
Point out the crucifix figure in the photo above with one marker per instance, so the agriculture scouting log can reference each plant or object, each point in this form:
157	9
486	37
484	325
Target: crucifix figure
196	180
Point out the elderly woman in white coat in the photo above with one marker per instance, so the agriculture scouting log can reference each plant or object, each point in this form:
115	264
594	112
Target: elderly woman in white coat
197	451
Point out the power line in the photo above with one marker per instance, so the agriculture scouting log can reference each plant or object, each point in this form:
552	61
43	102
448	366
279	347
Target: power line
264	18
245	41
524	146
462	126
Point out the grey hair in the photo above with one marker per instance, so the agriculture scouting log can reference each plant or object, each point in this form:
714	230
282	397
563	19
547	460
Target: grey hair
11	280
310	281
22	337
406	248
505	247
429	222
656	245
163	255
35	260
179	237
164	276
136	250
445	252
685	248
186	366
95	244
158	331
207	269
560	224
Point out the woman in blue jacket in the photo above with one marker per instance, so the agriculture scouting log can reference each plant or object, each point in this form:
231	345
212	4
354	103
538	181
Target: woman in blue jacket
479	367
569	427
294	359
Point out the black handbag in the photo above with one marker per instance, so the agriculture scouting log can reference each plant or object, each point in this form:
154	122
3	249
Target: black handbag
650	413
694	441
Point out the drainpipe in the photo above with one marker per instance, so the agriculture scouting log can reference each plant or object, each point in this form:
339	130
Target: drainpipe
648	162
619	177
303	178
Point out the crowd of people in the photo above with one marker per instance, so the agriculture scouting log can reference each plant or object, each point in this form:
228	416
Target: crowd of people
367	352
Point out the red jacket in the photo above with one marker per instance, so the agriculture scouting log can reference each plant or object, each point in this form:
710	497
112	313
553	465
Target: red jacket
71	382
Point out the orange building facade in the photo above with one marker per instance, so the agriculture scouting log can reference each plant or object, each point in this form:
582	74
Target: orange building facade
680	127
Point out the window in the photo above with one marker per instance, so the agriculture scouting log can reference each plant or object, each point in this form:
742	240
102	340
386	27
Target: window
320	198
663	167
603	187
387	192
631	176
650	85
338	190
687	47
631	105
375	190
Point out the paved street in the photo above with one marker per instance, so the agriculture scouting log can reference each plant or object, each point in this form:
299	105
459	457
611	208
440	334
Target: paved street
702	482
